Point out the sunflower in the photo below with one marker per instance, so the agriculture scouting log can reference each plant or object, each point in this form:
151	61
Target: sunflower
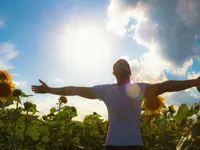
27	105
153	105
44	117
6	88
171	109
63	99
4	75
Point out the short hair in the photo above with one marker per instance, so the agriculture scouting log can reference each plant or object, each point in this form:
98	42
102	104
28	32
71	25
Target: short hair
122	68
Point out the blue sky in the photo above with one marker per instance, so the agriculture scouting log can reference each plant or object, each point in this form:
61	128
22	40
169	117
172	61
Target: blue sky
76	42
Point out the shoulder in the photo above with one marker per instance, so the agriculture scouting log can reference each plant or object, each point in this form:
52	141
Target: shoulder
104	85
101	91
142	85
150	90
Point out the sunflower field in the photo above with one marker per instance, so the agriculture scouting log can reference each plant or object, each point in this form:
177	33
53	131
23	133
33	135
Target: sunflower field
22	128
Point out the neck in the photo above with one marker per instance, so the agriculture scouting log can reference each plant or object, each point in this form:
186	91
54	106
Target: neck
121	82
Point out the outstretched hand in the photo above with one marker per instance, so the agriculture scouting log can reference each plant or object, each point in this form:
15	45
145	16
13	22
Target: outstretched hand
41	88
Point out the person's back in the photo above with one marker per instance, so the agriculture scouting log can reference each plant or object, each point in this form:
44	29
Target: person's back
124	110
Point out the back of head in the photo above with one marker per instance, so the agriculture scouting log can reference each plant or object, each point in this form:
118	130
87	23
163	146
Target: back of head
121	68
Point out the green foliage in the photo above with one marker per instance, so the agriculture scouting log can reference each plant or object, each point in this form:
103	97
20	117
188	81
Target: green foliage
182	114
22	129
32	132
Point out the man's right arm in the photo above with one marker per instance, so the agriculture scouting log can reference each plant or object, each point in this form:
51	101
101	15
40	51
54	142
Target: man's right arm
153	90
86	92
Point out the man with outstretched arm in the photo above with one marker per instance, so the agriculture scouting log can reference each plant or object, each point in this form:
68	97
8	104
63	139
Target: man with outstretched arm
123	101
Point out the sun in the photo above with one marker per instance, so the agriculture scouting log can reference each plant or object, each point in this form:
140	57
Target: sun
85	44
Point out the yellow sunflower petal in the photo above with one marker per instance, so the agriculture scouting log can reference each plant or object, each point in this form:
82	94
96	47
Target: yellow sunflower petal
4	75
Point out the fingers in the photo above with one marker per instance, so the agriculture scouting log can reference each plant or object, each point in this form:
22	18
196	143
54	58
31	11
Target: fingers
36	89
42	82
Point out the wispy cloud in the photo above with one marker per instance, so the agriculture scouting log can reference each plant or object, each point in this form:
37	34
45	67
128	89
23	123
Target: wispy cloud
7	52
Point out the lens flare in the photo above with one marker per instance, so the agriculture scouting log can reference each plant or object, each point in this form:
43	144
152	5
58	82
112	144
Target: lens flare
133	90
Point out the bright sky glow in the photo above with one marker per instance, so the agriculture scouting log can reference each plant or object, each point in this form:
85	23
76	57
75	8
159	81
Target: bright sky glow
85	45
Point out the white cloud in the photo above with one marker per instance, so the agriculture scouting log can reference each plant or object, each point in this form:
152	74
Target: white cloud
116	20
20	84
151	68
147	69
7	52
178	98
87	106
44	102
119	17
159	27
193	75
181	70
145	32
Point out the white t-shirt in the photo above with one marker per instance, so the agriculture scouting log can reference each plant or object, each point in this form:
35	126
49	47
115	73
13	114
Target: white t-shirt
124	110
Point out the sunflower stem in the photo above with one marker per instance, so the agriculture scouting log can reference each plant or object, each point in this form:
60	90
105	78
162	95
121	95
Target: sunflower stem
26	120
60	103
149	122
58	128
15	121
17	105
